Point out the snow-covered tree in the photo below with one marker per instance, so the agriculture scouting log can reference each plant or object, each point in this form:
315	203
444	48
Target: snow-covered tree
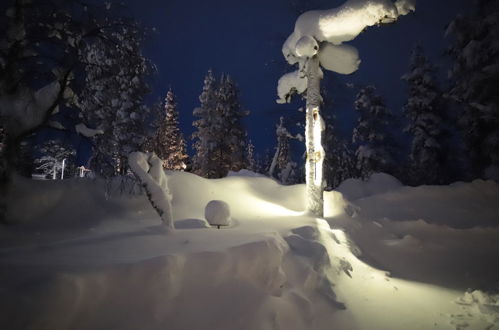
206	138
168	142
46	60
220	140
114	101
425	109
282	166
340	163
318	42
148	168
251	161
56	157
374	145
229	108
475	82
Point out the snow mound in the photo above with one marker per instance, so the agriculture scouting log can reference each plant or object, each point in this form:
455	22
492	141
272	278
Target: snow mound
159	293
479	310
191	224
217	213
377	183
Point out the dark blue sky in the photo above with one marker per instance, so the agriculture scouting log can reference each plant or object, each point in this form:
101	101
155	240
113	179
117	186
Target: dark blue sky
244	39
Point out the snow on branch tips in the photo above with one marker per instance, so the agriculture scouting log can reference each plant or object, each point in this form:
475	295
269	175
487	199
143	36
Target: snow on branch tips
149	170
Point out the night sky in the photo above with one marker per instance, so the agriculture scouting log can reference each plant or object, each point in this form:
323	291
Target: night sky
244	39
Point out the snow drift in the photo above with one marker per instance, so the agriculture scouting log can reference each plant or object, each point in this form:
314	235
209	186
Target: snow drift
110	265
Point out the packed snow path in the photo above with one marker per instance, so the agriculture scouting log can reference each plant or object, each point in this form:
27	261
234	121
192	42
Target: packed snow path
110	265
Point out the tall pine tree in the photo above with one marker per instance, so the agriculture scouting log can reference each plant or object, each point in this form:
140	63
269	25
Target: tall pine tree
220	139
168	142
207	137
425	109
375	147
475	82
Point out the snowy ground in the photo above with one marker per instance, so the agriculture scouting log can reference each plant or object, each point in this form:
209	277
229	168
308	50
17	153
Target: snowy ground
385	257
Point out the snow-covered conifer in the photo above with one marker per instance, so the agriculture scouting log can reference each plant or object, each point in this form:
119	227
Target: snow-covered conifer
220	140
475	82
168	142
340	163
374	145
282	166
424	110
229	108
251	160
205	138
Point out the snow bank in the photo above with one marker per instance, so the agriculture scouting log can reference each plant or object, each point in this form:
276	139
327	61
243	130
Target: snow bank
377	183
480	310
456	205
189	291
109	265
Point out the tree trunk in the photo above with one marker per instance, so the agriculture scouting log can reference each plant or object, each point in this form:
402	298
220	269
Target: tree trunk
313	136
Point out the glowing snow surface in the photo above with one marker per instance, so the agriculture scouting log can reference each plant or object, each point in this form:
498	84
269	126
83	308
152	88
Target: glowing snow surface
110	265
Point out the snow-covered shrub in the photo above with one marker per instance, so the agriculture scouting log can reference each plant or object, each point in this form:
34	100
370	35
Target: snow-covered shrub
149	170
217	213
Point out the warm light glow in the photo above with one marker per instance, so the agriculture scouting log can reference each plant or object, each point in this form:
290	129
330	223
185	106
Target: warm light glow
366	290
318	150
275	209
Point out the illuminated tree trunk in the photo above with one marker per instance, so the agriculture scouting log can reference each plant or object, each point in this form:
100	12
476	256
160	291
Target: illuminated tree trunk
313	131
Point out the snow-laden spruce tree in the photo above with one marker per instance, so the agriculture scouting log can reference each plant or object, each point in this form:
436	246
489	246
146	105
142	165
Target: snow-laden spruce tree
229	108
425	109
374	145
318	41
475	84
56	157
340	163
219	139
168	141
282	166
206	138
251	161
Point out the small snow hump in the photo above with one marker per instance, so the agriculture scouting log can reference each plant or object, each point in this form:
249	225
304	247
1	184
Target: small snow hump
217	213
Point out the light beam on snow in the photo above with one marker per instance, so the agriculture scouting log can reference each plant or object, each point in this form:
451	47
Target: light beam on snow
366	291
275	209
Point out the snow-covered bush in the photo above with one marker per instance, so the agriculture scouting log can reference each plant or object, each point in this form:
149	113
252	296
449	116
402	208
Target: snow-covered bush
149	170
217	213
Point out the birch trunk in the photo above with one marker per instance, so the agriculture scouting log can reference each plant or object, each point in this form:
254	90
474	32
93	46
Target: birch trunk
314	128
